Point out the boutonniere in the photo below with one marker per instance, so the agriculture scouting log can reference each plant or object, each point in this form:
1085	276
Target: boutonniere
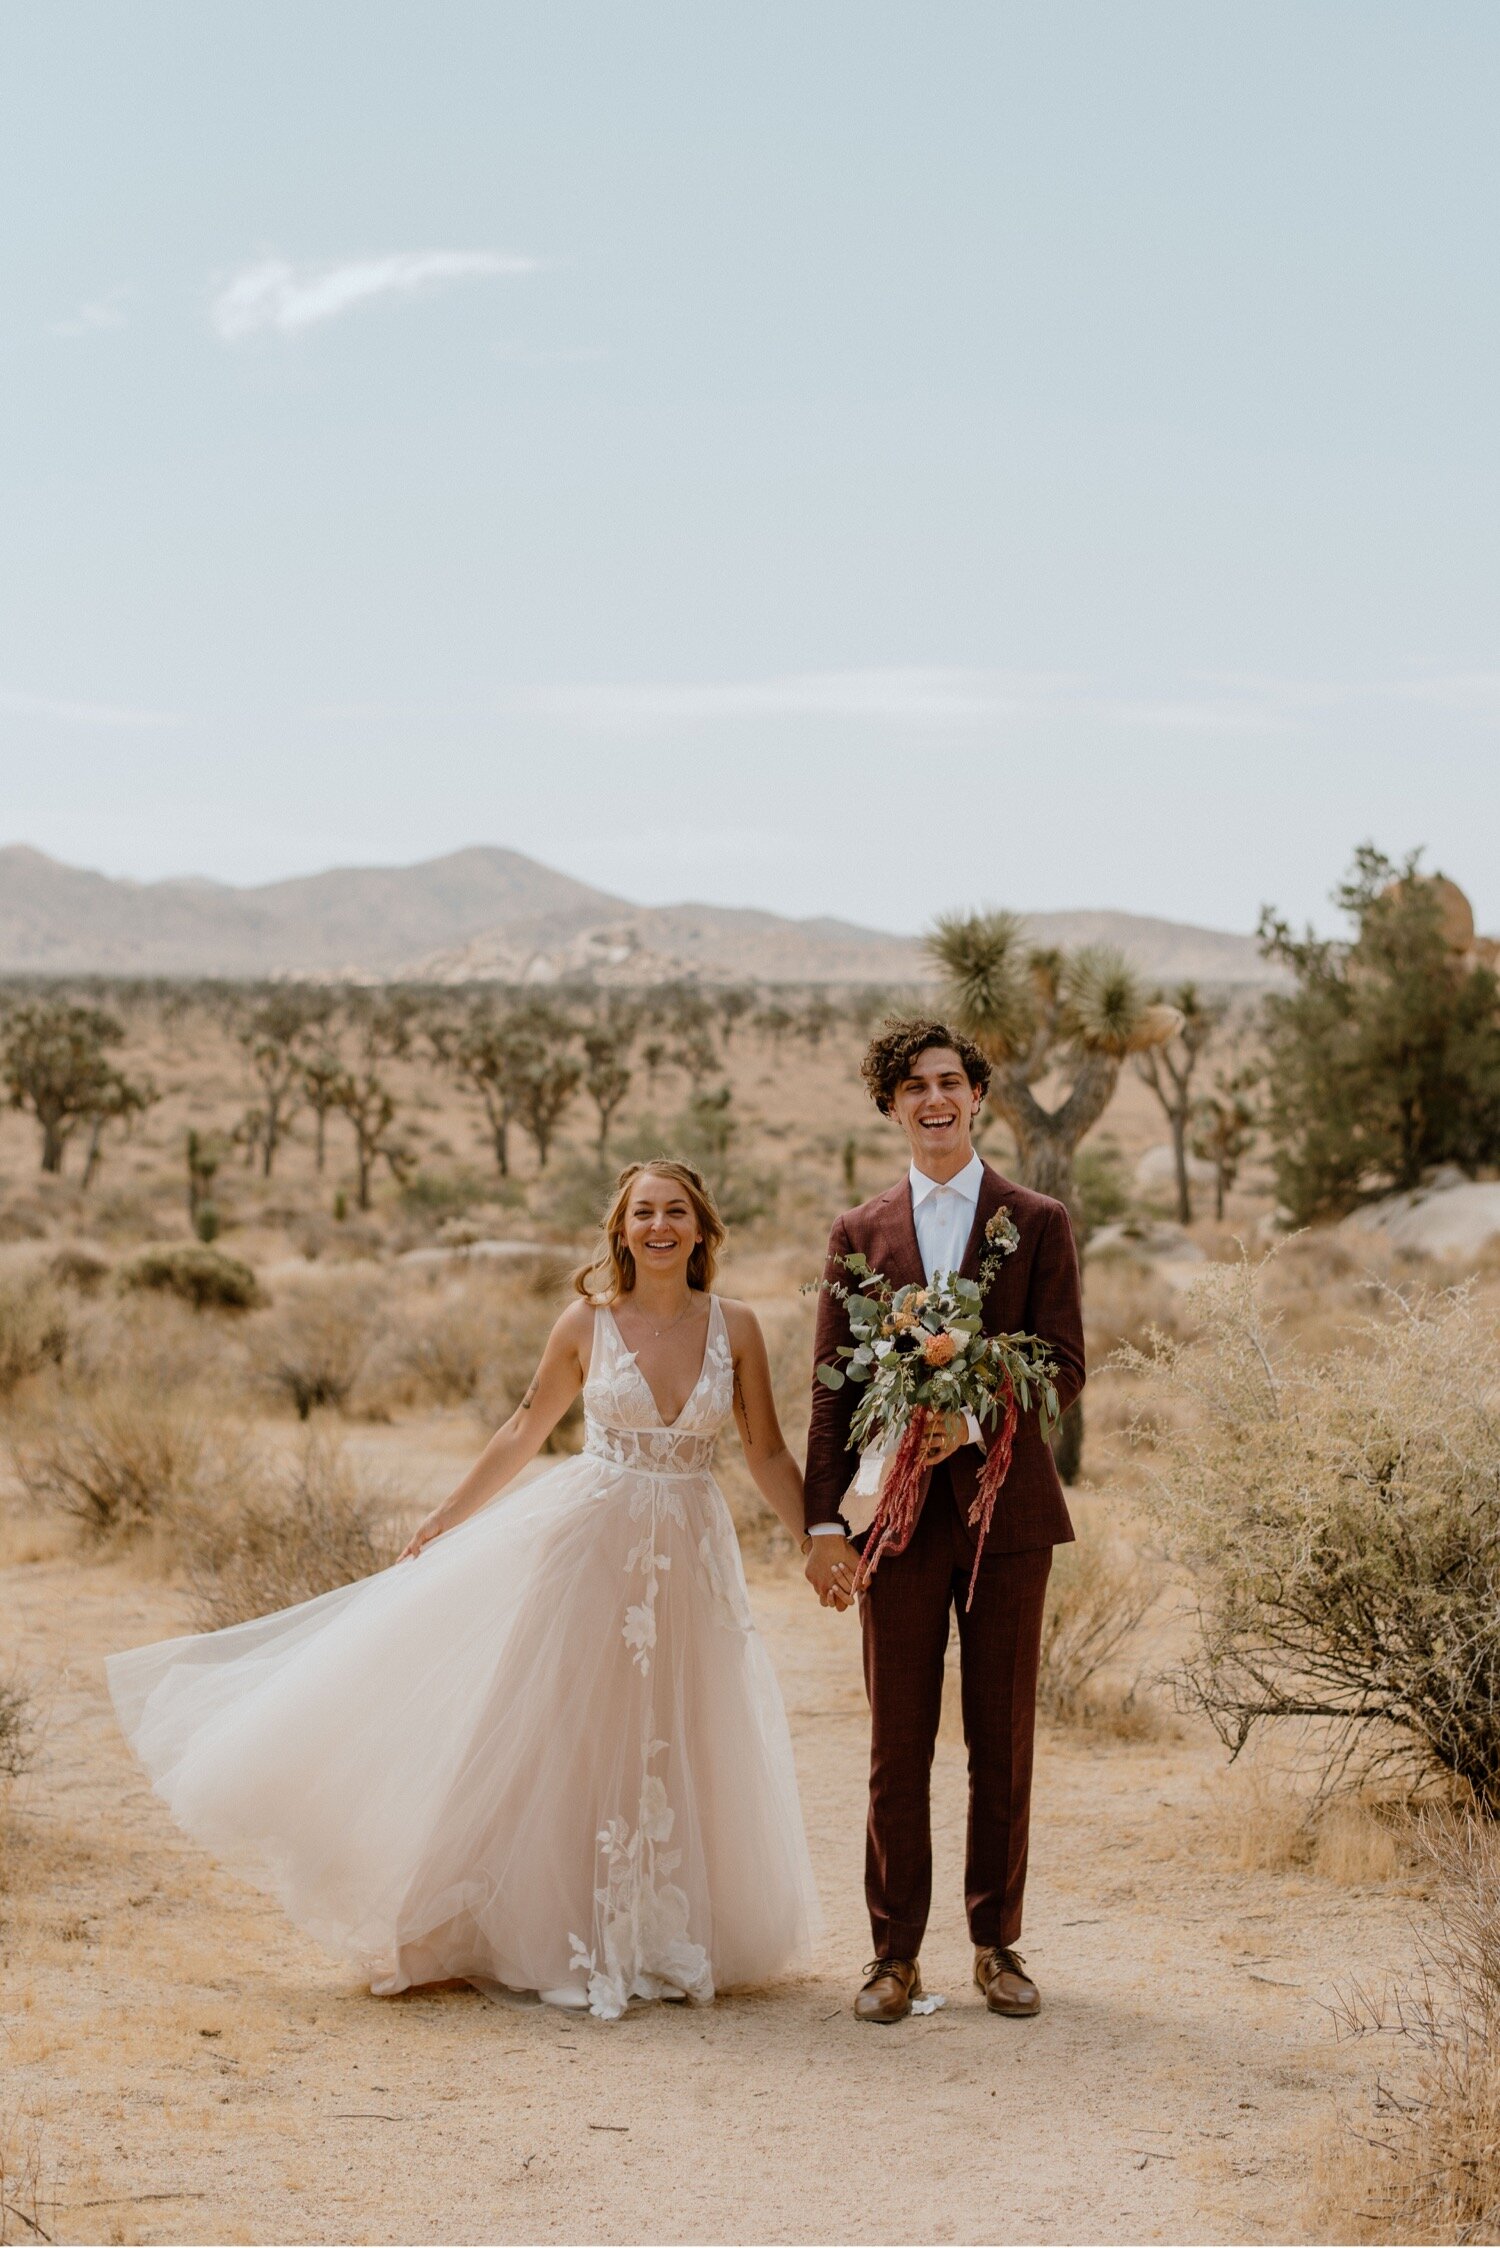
1002	1233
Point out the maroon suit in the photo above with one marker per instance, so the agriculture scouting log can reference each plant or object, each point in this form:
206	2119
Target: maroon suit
905	1612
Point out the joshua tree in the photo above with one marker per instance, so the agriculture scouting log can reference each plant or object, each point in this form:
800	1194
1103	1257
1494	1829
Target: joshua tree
545	1084
817	1018
1034	1012
120	1099
496	1055
204	1156
383	1027
773	1022
606	1078
653	1054
322	1069
1168	1070
272	1039
696	1055
1224	1124
370	1106
53	1064
735	1003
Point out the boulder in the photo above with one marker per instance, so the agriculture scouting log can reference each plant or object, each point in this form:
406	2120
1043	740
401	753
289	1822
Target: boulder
1437	1220
479	1252
1156	1242
1157	1169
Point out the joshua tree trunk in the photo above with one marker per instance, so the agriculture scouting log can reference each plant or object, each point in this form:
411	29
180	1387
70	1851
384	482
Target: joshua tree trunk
1047	1139
1046	1142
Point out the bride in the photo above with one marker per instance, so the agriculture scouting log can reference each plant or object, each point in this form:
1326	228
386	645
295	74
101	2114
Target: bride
545	1749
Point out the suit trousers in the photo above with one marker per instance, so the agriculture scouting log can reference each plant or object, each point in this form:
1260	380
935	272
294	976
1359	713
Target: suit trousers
904	1615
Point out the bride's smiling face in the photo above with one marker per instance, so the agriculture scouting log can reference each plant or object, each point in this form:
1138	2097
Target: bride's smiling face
661	1227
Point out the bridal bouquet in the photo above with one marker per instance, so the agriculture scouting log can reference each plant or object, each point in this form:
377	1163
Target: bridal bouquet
920	1353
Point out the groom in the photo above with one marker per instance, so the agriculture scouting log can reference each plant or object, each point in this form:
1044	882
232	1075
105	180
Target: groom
933	1082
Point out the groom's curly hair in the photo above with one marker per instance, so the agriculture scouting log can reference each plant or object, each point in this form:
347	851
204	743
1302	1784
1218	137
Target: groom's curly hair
896	1045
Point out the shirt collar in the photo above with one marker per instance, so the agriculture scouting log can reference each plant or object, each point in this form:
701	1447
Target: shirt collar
966	1186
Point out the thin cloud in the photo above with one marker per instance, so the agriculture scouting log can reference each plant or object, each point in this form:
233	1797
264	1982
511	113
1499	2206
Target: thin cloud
95	318
907	696
61	711
274	294
957	700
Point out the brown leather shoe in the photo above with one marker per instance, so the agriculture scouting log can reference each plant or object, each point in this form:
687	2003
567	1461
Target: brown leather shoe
1001	1975
888	1994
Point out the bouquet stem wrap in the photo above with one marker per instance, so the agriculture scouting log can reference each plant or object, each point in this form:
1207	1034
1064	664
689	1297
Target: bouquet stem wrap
901	1500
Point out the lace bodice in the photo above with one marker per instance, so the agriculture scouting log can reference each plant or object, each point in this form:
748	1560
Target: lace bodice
622	1424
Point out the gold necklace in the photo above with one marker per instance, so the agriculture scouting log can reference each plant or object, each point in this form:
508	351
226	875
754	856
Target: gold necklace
658	1332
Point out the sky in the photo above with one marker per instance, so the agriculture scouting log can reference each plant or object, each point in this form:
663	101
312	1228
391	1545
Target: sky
844	458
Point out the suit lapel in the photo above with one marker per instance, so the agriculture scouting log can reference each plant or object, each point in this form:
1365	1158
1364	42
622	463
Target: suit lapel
899	1259
992	1191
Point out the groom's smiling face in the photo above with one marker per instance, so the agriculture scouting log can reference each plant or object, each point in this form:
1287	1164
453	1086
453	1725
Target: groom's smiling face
935	1106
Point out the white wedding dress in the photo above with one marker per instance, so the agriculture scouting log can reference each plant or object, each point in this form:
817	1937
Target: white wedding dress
549	1753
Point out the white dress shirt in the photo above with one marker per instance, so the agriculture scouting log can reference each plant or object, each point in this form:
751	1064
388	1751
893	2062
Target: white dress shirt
943	1214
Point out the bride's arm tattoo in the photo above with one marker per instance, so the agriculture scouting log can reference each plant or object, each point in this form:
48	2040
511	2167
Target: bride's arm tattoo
739	1399
530	1397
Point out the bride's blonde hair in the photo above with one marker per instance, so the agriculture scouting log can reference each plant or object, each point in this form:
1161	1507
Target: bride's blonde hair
610	1272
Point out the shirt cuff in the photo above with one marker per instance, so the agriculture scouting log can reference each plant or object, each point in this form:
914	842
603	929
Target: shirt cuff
826	1530
976	1434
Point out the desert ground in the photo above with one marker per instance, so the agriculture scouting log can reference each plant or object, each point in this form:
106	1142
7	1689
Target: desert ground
180	2065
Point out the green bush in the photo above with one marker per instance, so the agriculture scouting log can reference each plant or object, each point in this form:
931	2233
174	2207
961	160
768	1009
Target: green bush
445	1194
198	1275
1102	1179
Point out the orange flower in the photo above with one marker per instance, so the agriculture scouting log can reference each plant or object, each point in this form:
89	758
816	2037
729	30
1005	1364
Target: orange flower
940	1350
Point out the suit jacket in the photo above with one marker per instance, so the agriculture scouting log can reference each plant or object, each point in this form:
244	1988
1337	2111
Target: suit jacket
1036	1289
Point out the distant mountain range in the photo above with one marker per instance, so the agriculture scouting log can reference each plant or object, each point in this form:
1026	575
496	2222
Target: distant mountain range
487	912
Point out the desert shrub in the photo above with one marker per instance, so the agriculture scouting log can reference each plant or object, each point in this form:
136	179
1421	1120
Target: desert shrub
117	1462
435	1195
34	1327
198	1275
1441	2132
23	1220
1126	1301
524	1316
1102	1179
440	1347
1340	1516
154	1343
294	1536
1098	1597
310	1349
17	1729
78	1266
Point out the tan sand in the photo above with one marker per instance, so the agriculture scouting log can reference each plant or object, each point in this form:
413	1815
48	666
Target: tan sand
202	2073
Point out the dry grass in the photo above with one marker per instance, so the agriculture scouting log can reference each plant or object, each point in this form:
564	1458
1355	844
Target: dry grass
1098	1597
1262	1824
17	1727
1436	2132
26	2199
1340	1517
300	1533
309	1350
118	1462
34	1327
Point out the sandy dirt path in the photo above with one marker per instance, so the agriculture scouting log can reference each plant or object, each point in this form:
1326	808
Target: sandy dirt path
203	2073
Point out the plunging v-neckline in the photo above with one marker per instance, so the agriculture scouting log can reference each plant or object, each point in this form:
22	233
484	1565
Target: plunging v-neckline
662	1422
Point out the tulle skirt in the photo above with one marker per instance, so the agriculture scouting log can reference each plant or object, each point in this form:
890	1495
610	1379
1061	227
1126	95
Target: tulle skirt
549	1753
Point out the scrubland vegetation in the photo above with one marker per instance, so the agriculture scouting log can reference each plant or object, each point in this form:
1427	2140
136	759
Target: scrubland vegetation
272	1262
